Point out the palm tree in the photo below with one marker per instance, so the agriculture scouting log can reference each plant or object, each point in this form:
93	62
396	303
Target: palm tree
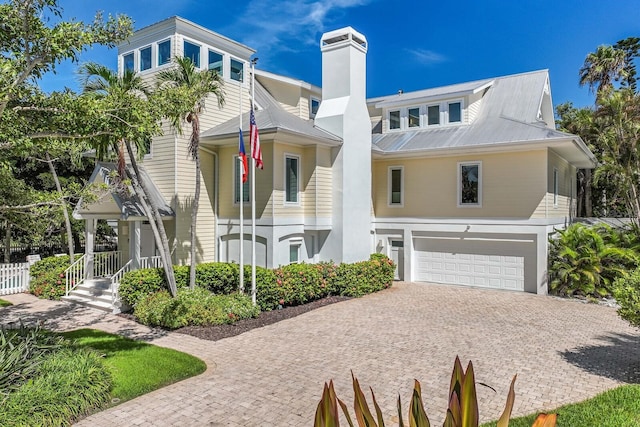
184	82
601	68
125	90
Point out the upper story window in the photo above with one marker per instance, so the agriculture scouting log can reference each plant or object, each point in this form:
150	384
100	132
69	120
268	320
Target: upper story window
192	51
145	58
291	185
470	184
315	105
394	119
433	115
455	112
127	62
164	52
414	117
395	186
215	61
237	70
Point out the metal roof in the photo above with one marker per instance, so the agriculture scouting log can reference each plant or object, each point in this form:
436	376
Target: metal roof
127	201
271	117
450	91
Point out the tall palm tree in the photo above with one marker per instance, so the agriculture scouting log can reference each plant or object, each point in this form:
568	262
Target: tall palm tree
125	90
193	88
601	68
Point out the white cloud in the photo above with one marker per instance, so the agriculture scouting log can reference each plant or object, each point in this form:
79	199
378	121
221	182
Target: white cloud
426	57
286	25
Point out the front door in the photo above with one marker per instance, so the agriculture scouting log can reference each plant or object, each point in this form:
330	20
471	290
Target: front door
397	256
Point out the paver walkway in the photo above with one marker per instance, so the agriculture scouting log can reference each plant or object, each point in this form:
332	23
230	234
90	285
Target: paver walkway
563	351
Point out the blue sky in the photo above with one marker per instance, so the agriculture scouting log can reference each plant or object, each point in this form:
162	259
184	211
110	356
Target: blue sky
412	44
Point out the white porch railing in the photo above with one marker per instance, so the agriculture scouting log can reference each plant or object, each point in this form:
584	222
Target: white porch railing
99	264
14	278
148	262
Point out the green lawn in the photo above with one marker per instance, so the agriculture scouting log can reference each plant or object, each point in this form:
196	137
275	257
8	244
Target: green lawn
4	303
137	367
619	407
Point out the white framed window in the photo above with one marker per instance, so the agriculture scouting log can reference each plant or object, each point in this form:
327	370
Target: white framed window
192	51
413	117
145	58
433	115
294	251
237	182
164	52
216	61
237	70
314	105
396	186
394	119
556	184
454	112
469	184
291	179
128	62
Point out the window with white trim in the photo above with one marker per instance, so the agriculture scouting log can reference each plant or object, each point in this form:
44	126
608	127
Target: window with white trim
291	179
164	52
237	70
314	105
413	117
396	183
192	51
294	252
237	181
470	184
145	58
128	62
433	115
556	185
394	119
215	61
455	112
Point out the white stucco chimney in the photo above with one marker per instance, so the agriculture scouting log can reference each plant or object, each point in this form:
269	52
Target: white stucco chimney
343	112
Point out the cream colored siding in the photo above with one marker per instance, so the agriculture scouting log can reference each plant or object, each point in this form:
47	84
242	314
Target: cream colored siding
473	106
324	182
513	184
289	96
213	115
279	207
566	174
160	164
206	226
308	181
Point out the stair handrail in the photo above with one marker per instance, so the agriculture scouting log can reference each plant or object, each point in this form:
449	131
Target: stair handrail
115	281
74	274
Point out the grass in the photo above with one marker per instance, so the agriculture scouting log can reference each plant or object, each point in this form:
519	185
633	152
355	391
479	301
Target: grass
137	367
4	303
619	407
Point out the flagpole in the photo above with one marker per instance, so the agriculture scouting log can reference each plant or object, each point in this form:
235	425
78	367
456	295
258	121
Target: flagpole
241	244
253	193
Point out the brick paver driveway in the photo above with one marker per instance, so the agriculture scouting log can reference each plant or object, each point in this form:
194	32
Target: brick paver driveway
563	351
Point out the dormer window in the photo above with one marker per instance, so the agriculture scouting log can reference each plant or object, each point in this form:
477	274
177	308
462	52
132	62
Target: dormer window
237	70
433	115
315	105
414	117
215	62
127	62
164	52
455	112
192	51
394	119
145	58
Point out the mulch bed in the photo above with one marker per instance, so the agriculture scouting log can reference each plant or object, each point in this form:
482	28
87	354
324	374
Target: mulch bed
218	332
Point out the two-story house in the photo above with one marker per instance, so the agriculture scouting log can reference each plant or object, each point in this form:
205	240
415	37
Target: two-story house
459	184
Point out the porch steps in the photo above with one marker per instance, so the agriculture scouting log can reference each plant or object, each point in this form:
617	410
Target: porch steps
94	293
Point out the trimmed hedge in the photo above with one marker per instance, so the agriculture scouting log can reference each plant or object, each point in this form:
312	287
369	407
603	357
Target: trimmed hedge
195	307
626	291
47	277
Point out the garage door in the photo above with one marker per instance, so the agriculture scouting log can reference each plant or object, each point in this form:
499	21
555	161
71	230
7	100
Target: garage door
486	264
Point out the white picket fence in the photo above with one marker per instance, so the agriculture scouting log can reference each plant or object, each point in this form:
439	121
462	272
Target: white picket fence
14	278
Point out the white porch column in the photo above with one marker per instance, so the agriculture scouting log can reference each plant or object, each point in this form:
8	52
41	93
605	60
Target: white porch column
134	244
90	233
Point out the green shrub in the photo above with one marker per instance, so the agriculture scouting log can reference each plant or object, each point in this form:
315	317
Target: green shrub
68	384
627	294
299	284
220	277
47	277
193	307
362	278
587	260
138	284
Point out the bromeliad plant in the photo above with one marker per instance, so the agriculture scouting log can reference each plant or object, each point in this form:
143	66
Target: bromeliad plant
462	410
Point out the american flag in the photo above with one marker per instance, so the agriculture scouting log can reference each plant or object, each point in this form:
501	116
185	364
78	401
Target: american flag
254	138
243	156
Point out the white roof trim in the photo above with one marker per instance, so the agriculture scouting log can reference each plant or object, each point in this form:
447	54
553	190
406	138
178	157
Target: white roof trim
288	80
414	97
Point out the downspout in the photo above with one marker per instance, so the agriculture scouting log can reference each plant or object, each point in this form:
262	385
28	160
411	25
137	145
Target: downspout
215	199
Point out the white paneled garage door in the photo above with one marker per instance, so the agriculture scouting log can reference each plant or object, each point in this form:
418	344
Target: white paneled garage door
485	264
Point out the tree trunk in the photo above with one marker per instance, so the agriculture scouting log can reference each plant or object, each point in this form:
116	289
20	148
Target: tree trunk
196	202
65	212
7	242
155	219
588	205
